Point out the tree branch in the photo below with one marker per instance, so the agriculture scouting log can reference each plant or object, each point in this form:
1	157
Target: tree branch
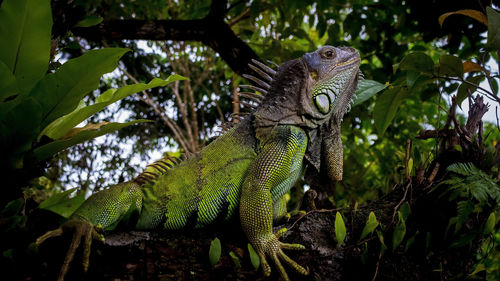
211	31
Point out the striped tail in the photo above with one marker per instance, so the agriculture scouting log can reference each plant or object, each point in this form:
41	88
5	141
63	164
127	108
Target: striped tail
156	169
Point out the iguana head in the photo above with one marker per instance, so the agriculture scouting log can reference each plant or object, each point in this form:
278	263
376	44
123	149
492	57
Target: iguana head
313	92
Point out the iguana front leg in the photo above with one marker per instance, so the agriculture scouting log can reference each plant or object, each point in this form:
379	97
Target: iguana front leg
277	162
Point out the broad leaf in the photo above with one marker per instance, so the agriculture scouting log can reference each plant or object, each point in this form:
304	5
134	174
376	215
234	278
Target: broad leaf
416	81
366	89
370	226
383	247
340	231
451	66
493	29
490	224
477	15
236	259
410	242
8	84
405	210
480	267
386	106
214	252
17	127
89	21
12	208
399	232
471	66
417	61
60	204
25	28
254	258
63	125
59	93
46	151
89	127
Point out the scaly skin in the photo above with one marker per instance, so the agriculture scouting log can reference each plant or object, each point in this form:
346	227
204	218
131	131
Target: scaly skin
249	168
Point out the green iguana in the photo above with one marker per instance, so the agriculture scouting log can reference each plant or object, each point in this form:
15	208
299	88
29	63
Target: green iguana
247	170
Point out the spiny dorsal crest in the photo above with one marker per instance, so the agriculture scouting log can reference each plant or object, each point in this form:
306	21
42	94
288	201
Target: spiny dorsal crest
156	169
263	84
263	80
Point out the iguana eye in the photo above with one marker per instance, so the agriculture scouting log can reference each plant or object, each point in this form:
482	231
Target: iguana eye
322	102
328	54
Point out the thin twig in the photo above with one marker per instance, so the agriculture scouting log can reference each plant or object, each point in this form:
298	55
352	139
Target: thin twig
172	125
488	93
235	20
377	266
408	186
314	211
434	172
496	113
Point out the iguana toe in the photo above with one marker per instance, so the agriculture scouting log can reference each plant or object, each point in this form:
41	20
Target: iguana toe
81	230
273	248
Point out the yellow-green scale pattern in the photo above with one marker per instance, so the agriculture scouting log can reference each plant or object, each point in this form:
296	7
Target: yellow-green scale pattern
208	187
276	168
109	207
202	189
199	191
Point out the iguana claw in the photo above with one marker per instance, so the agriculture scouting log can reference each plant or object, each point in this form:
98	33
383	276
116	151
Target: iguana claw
80	230
272	247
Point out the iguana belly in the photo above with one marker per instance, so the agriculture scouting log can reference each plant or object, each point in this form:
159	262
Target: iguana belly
203	189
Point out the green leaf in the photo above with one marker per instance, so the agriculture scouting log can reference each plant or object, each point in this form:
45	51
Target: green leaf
254	258
451	66
8	84
383	247
12	208
340	231
235	259
61	204
366	89
89	21
480	267
214	252
18	126
463	89
493	29
25	29
405	210
410	242
63	125
417	61
490	224
370	226
464	209
59	93
48	150
386	107
412	77
399	232
410	165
